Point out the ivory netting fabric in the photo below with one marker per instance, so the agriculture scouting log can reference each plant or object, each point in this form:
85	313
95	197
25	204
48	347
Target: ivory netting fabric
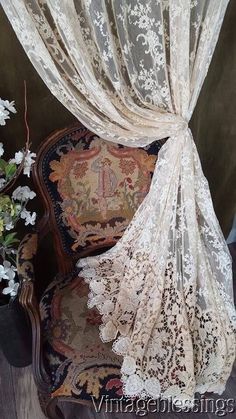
131	71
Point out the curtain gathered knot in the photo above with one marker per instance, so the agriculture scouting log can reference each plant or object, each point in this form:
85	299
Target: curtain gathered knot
185	125
182	125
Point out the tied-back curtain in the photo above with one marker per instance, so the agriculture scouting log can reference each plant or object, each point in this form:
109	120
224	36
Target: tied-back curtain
131	71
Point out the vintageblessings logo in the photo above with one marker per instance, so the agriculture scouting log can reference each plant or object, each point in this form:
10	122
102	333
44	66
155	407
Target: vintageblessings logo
141	407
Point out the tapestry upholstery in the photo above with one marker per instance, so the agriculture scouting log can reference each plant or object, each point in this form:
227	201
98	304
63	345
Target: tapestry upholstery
77	361
95	187
25	255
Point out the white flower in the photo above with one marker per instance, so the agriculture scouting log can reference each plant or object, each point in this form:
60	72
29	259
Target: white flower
5	108
29	160
23	193
9	226
10	106
3	274
1	149
18	157
7	271
3	116
28	217
11	289
2	182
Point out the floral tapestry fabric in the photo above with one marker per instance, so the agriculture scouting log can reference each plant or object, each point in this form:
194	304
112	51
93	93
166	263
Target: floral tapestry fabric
25	255
131	71
95	187
79	364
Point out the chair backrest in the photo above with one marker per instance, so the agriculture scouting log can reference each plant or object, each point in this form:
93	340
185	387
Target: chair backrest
90	189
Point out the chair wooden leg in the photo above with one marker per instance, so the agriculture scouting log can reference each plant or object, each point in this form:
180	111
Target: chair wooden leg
53	411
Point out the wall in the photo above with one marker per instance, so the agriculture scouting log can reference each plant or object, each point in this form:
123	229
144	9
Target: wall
213	122
45	112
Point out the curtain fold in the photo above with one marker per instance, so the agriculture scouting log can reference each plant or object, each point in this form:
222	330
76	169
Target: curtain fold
131	71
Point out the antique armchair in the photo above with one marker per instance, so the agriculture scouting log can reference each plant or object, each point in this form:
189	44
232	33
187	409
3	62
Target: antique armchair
90	189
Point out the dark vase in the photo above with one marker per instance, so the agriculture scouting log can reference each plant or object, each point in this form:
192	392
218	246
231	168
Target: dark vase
15	334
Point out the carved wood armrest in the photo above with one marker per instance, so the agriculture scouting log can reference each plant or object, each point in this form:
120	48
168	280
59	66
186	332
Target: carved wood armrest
26	252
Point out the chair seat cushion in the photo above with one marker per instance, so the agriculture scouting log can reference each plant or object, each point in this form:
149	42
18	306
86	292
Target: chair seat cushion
79	363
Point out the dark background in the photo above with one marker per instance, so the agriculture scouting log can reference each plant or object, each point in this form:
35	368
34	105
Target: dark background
213	123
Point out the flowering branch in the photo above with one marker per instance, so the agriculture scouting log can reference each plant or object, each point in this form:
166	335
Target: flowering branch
13	209
10	170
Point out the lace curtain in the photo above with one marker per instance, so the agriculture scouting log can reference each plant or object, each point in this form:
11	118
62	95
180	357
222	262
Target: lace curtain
131	71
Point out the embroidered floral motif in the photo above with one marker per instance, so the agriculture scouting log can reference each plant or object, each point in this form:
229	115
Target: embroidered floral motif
127	166
80	170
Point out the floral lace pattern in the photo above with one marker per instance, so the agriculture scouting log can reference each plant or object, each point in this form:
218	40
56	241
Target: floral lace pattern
131	71
170	313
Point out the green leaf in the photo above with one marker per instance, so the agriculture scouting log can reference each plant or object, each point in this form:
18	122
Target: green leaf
10	239
3	164
10	170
